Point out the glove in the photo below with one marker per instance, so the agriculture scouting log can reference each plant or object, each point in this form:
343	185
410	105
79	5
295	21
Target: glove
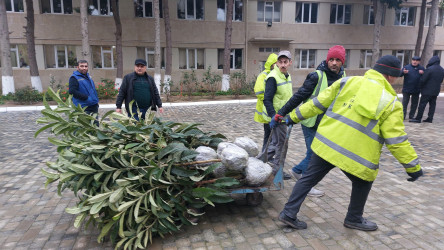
289	121
278	117
415	175
273	123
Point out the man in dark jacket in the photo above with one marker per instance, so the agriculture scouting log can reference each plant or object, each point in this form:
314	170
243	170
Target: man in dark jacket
326	73
412	75
83	90
141	88
430	86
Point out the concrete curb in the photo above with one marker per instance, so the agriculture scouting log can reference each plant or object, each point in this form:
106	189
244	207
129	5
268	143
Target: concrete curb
167	104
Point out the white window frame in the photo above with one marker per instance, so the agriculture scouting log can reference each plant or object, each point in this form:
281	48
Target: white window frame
102	53
109	8
309	11
270	5
368	53
56	57
143	7
343	11
195	10
15	49
308	58
51	3
12	6
195	58
404	11
234	11
370	14
400	55
148	51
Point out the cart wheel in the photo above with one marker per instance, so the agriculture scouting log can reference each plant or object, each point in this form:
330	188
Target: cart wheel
254	199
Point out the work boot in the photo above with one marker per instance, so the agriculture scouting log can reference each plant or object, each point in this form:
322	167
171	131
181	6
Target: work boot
427	120
295	175
286	176
415	120
364	225
294	223
315	193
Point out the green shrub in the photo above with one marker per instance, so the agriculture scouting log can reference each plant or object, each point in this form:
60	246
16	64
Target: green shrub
27	95
106	89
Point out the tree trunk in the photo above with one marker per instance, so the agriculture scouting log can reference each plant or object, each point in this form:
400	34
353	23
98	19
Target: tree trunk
116	16
30	42
86	55
227	49
5	48
427	52
378	8
421	27
168	50
157	76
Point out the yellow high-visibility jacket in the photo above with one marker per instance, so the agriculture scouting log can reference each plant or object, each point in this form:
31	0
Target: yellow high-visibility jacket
259	89
284	91
361	114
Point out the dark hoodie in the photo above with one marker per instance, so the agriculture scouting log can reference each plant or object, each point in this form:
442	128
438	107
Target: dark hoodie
432	79
308	87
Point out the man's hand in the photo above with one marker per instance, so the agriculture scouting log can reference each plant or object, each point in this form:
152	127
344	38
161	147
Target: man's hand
119	110
405	71
289	121
161	110
278	117
415	175
421	71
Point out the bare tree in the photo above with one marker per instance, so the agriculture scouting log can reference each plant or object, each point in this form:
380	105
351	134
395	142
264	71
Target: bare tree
116	15
7	77
427	52
227	49
378	8
157	76
30	42
421	27
86	55
168	50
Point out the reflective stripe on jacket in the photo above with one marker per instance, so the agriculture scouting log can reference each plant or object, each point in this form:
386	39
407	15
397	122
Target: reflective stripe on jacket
362	113
259	90
284	90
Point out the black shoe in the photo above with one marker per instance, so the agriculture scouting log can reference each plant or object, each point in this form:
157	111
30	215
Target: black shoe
427	120
286	176
364	225
415	120
294	223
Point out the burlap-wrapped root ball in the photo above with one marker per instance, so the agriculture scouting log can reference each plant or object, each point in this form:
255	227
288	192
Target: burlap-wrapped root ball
248	144
257	172
234	158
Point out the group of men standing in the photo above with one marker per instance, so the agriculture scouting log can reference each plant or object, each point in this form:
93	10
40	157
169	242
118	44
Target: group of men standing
425	81
345	122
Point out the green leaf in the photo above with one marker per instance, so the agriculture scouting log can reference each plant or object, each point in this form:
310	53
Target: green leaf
226	182
131	145
105	230
66	176
81	169
99	197
58	142
79	219
43	129
202	192
95	209
180	171
102	165
116	195
119	126
125	205
77	210
50	175
153	203
171	148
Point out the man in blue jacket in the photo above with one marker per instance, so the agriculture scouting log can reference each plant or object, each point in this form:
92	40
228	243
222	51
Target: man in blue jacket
83	90
412	74
430	85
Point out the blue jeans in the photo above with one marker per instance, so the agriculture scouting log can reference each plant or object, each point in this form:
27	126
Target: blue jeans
141	110
309	134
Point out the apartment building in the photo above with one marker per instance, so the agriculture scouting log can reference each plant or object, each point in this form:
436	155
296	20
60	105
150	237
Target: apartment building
306	28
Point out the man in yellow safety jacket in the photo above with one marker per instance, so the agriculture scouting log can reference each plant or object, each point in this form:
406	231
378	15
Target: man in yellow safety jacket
259	90
361	114
278	90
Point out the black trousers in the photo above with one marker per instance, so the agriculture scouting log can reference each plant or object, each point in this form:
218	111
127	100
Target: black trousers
413	106
267	132
431	100
94	109
316	171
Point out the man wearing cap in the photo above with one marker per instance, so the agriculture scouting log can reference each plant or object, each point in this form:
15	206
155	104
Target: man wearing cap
83	90
141	88
278	90
326	73
412	74
362	113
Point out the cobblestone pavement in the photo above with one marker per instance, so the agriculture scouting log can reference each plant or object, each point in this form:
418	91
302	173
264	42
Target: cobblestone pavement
409	215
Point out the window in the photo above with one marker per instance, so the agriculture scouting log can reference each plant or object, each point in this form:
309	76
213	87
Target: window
103	57
347	58
405	16
100	8
14	5
403	55
366	59
369	15
191	59
190	9
340	14
268	11
57	6
222	10
306	12
19	56
269	50
439	17
148	54
437	53
145	8
235	59
60	56
305	58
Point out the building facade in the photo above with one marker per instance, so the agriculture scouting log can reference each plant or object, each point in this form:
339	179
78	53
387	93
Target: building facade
306	28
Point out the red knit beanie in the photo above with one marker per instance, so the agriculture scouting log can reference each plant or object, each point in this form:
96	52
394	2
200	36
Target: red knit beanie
336	51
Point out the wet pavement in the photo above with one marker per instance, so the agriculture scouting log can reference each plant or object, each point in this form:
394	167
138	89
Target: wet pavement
409	215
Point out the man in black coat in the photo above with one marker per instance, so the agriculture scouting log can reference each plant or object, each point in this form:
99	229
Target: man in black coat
430	86
412	75
141	88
